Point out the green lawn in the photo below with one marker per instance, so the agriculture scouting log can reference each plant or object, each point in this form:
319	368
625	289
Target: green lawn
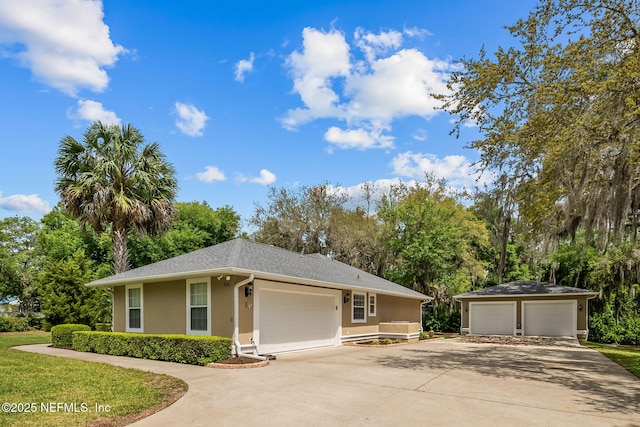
91	391
626	357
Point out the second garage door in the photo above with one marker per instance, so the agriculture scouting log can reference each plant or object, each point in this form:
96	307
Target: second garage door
549	318
297	317
492	318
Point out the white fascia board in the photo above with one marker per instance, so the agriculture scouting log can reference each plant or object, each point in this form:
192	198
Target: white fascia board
258	275
589	294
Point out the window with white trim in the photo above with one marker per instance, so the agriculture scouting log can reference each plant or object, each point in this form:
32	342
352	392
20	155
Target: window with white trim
372	304
358	307
133	298
199	306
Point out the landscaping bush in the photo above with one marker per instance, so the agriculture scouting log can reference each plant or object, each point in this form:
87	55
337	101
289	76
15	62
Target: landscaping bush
441	321
14	324
103	327
604	329
35	321
62	335
194	350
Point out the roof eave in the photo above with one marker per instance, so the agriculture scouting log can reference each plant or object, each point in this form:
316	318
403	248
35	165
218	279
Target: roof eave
258	275
589	294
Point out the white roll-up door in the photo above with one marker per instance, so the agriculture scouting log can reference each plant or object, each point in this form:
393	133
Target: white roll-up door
492	318
549	318
296	318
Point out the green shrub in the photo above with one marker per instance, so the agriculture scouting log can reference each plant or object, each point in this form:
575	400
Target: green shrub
103	327
386	341
35	321
441	321
14	324
604	329
5	324
194	350
62	335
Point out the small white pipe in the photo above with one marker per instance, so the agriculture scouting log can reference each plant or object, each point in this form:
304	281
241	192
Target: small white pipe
236	320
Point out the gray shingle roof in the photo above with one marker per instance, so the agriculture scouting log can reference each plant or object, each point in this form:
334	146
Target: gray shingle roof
525	287
258	258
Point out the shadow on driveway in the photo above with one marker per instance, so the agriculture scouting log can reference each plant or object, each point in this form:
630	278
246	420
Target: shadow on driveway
601	383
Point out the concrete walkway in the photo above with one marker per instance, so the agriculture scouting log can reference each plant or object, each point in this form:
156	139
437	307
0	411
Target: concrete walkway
442	382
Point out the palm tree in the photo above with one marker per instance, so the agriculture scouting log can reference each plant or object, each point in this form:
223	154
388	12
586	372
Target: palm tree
113	180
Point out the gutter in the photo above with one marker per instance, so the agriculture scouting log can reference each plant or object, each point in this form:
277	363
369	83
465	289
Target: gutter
236	321
259	274
590	295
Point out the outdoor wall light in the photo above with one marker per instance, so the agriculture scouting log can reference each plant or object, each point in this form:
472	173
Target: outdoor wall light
346	298
248	290
466	308
580	307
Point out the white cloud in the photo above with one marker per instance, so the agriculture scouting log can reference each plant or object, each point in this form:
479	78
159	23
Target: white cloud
420	135
373	45
64	43
456	169
24	203
324	56
266	178
416	32
93	111
210	174
398	86
190	121
244	66
367	95
360	139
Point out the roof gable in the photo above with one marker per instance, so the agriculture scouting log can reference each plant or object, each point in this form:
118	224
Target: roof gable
244	256
525	287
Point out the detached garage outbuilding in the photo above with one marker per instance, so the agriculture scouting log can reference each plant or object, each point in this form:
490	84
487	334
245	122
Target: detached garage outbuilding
263	297
526	307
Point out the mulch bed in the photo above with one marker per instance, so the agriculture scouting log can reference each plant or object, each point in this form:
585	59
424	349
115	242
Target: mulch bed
238	363
371	344
64	347
520	340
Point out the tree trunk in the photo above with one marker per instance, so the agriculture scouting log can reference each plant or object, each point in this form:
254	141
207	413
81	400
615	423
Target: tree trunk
503	248
119	239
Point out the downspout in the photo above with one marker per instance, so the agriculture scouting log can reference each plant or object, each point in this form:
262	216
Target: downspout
422	303
236	320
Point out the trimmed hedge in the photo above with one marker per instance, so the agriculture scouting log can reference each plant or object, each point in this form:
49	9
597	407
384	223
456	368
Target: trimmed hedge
194	350
103	327
14	324
62	335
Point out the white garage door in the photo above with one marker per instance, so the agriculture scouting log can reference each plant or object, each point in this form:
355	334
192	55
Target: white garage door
492	318
549	318
296	318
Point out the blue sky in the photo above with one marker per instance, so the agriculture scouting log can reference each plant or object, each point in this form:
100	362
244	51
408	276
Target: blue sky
242	95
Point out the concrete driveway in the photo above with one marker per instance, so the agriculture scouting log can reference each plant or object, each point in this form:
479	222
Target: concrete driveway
443	382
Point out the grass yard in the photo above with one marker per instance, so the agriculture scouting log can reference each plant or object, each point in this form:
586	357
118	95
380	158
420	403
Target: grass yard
626	357
44	384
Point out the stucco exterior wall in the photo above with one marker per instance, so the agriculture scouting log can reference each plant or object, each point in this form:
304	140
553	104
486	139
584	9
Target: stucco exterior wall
388	309
222	306
119	308
582	316
394	309
165	307
245	311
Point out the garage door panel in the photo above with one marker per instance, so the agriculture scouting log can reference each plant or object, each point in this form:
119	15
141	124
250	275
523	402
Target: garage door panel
549	318
492	318
297	320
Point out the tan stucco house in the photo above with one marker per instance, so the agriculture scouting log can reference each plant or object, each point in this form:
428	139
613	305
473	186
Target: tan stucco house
265	296
526	307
